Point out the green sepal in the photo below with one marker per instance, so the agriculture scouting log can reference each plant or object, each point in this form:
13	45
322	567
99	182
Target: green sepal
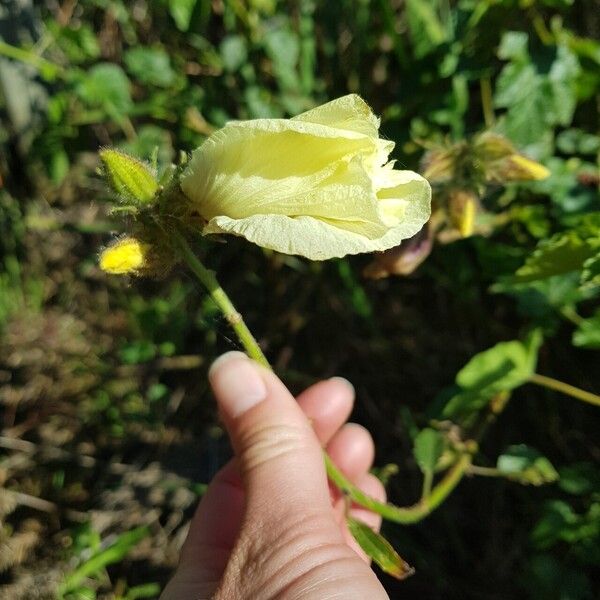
376	547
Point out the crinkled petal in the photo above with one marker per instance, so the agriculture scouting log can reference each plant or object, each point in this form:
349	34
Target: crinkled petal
349	113
240	173
321	239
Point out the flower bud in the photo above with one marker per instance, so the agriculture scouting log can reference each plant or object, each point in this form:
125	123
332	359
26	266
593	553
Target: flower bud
126	256
129	178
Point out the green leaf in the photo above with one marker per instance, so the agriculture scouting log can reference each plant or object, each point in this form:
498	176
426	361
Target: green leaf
106	86
234	52
376	547
149	139
283	48
101	559
526	465
428	447
587	334
78	43
561	523
144	590
577	141
492	373
128	177
150	65
564	252
426	29
513	46
537	97
579	479
590	275
182	11
503	367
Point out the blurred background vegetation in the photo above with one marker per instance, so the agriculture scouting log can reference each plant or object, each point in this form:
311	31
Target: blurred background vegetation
108	431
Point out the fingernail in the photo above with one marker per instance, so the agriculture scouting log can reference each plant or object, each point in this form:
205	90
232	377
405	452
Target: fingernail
237	383
344	381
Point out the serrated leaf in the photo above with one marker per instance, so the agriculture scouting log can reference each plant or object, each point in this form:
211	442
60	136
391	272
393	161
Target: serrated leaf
376	547
428	447
538	92
564	252
526	465
128	177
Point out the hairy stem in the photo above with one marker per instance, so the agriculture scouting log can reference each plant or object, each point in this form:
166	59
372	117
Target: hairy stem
209	281
565	388
411	514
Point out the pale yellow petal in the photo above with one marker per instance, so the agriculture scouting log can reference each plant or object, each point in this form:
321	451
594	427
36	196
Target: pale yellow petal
321	239
350	113
240	173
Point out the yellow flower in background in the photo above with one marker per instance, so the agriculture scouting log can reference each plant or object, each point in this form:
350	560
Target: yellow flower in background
318	185
125	256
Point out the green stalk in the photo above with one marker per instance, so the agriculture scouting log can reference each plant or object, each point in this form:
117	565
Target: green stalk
48	68
411	514
487	101
217	293
565	388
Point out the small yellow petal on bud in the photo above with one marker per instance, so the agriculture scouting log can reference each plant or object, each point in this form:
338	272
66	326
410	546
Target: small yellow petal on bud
463	210
126	256
518	167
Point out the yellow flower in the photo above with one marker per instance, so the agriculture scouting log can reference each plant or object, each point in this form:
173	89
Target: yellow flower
318	185
126	256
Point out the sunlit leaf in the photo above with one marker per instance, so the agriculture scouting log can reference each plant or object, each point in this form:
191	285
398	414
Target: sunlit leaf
587	334
564	252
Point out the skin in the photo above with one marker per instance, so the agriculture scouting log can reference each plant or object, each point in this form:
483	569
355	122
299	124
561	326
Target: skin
269	526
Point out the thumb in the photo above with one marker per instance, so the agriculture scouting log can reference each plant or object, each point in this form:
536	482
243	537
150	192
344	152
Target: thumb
279	456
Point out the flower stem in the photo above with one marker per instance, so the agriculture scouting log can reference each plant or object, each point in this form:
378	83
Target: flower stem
487	101
411	514
217	293
565	388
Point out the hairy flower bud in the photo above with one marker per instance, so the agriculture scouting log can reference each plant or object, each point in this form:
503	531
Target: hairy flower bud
127	256
129	178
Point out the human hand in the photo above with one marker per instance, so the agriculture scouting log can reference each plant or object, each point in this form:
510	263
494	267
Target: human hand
268	525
